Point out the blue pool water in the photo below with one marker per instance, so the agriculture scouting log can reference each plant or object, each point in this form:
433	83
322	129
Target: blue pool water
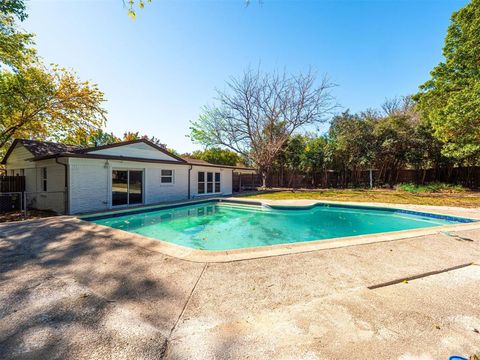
223	226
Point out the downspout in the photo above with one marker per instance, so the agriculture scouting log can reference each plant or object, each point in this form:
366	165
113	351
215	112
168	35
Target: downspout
189	172
67	189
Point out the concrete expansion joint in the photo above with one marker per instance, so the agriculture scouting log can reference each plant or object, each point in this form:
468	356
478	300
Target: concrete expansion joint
418	276
168	340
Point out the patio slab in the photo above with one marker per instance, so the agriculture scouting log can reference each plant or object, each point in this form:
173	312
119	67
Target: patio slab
72	289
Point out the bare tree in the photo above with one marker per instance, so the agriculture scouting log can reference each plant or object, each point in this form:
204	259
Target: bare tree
258	112
403	105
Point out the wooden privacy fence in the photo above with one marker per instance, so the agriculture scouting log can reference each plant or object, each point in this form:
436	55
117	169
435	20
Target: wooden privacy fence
465	176
11	189
12	183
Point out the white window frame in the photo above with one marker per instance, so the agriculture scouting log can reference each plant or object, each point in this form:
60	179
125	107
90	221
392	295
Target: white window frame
44	179
128	187
171	177
205	182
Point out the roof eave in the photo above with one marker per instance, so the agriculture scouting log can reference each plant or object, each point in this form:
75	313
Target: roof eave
9	151
123	143
128	158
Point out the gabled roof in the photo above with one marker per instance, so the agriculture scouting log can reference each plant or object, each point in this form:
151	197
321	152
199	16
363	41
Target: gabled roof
41	148
47	149
123	143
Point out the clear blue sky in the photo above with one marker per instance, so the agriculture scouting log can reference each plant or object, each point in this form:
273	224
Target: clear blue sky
158	71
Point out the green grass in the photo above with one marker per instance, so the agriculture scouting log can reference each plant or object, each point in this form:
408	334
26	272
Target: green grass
463	198
435	187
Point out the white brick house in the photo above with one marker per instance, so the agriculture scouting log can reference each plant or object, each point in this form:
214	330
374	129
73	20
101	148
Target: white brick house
129	173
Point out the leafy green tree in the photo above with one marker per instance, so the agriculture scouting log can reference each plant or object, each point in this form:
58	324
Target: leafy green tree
16	51
36	101
130	135
351	144
133	5
15	8
94	137
216	155
41	103
294	155
450	100
314	159
395	138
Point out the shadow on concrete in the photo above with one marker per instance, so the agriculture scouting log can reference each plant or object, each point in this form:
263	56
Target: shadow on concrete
69	289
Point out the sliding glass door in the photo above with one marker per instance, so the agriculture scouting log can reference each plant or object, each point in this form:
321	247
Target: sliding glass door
135	187
119	187
127	187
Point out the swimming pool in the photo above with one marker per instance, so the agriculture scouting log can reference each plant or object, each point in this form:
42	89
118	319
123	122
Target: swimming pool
224	225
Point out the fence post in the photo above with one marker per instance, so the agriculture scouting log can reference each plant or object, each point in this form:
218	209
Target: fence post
24	201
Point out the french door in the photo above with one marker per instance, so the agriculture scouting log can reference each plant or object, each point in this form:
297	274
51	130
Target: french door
208	182
127	187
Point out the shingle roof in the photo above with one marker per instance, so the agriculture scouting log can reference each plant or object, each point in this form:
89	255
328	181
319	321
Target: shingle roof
195	161
45	148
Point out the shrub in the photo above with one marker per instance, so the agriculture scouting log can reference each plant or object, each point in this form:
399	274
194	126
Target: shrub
434	187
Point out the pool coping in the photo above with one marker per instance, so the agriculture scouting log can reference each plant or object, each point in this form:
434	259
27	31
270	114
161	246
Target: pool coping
221	256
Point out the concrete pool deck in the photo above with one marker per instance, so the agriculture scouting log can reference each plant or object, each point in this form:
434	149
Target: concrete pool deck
73	289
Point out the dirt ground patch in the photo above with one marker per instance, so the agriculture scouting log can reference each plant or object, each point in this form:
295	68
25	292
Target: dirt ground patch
20	215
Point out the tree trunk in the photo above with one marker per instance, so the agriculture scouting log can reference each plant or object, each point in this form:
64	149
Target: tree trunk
264	179
424	175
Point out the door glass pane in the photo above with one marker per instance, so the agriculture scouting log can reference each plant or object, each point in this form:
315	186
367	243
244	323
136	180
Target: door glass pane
217	182
209	187
209	182
119	187
201	183
135	195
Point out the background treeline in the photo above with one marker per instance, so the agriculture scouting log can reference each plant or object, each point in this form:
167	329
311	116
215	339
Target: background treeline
378	148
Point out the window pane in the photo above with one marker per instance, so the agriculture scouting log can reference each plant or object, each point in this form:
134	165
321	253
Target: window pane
201	176
217	187
167	172
135	193
119	187
209	176
201	187
167	179
217	176
209	187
